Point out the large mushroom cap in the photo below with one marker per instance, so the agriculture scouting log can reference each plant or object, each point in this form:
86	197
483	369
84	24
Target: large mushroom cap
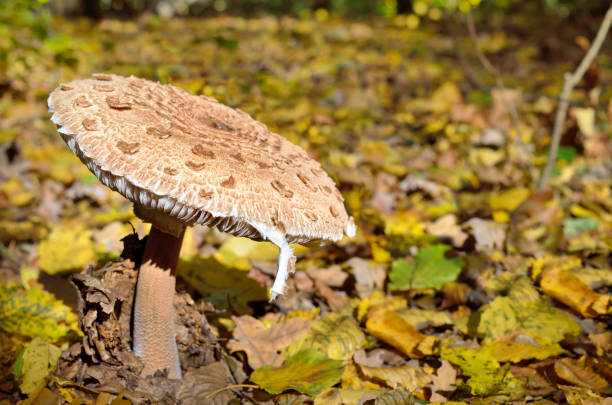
197	160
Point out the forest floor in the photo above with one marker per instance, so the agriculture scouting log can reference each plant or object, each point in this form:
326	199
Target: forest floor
464	284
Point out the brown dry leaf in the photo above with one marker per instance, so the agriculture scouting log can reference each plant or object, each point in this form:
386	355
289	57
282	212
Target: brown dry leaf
561	284
602	341
332	276
378	358
392	329
446	227
199	383
443	381
335	300
582	396
488	235
264	345
580	372
368	274
534	383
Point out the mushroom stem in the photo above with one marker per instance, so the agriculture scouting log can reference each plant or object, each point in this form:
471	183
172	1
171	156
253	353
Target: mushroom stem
153	328
286	261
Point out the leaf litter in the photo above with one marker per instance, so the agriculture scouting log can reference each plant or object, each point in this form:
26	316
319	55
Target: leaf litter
463	284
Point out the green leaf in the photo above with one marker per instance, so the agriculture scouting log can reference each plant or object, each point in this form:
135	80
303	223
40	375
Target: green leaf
430	269
35	364
336	335
35	313
575	226
308	371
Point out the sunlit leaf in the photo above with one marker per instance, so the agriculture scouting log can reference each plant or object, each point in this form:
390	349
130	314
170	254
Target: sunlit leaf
336	335
504	315
429	269
35	364
392	329
66	249
487	376
308	371
264	345
35	313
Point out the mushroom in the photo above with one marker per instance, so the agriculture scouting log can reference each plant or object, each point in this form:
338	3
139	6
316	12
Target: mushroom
185	160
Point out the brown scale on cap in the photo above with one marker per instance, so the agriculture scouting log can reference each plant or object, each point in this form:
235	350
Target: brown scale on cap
250	175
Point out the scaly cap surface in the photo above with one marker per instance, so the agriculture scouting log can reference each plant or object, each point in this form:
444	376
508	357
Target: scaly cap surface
197	160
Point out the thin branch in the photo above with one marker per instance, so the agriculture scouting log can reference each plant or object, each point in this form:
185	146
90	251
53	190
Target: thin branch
230	387
569	82
493	71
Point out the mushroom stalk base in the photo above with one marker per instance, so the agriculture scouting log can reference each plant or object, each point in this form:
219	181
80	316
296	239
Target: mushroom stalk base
153	330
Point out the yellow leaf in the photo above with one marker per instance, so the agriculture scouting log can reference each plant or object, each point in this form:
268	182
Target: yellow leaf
585	117
223	286
16	193
562	285
308	371
523	347
35	313
505	315
351	379
379	254
485	157
418	317
379	301
405	224
392	329
235	249
66	249
35	364
509	200
336	335
413	378
487	377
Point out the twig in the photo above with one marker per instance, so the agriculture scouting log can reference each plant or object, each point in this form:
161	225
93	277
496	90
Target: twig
230	387
569	82
493	71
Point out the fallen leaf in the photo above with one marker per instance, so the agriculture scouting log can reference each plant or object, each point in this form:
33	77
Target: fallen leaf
423	318
368	274
487	376
35	313
522	347
413	378
264	345
508	200
308	371
504	315
225	287
392	329
489	235
429	269
579	372
66	249
199	384
562	285
35	364
337	335
446	226
443	381
332	276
